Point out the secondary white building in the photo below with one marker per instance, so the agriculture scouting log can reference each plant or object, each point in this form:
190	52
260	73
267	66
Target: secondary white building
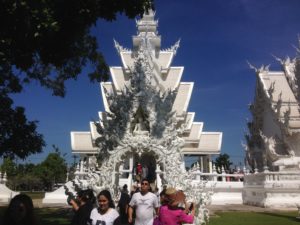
273	142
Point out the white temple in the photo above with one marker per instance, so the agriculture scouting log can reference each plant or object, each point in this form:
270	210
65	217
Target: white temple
273	143
146	120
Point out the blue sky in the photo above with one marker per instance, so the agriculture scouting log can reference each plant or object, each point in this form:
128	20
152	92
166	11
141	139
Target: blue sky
217	38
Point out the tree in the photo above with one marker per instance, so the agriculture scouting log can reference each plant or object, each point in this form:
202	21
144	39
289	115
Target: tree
18	136
52	170
9	167
48	41
223	160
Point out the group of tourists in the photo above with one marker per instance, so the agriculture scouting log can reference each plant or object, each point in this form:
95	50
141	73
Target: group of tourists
85	212
142	208
146	208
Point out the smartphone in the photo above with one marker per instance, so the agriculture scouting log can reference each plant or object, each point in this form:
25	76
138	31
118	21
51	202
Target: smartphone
191	207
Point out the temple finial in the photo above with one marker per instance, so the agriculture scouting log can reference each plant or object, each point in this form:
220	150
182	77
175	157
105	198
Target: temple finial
147	22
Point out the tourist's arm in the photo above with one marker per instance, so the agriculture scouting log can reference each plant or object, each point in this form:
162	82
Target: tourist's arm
74	204
127	204
186	207
157	211
193	209
156	205
130	212
185	218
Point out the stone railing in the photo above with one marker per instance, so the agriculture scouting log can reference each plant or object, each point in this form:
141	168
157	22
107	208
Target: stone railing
224	177
265	178
125	177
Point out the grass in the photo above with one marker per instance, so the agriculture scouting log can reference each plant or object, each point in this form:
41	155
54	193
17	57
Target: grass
49	216
62	216
254	218
54	216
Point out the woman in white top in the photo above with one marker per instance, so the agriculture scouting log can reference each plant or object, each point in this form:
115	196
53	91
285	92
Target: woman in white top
105	214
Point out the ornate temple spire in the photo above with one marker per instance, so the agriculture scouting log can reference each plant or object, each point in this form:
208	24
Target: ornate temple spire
147	33
147	23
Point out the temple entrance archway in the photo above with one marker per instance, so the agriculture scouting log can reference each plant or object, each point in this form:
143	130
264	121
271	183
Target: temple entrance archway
135	167
148	162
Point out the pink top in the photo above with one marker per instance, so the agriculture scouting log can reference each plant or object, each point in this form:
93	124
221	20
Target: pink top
169	216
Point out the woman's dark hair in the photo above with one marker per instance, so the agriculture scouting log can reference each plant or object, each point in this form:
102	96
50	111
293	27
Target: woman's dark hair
90	195
80	194
19	203
107	195
86	196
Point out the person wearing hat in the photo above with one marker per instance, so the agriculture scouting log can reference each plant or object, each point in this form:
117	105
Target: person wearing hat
172	212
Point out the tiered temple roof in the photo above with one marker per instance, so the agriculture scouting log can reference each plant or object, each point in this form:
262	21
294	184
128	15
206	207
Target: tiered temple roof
167	77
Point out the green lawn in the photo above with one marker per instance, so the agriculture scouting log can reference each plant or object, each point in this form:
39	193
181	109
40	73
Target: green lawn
60	216
49	216
254	218
54	216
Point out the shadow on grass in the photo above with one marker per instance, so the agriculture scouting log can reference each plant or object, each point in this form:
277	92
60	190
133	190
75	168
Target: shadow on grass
54	216
289	217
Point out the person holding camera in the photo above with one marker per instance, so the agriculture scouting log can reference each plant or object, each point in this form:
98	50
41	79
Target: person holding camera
176	211
82	206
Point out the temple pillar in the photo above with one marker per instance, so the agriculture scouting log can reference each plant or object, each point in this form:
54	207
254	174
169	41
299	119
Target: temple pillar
201	163
182	165
131	163
158	178
209	164
205	164
130	177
